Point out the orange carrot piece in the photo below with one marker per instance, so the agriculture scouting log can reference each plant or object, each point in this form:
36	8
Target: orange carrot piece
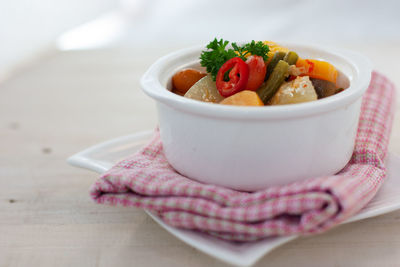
184	79
317	69
243	98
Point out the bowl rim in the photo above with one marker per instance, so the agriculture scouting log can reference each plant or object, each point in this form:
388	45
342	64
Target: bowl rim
361	66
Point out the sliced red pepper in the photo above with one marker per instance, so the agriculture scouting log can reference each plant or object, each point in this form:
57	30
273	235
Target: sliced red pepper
238	77
257	71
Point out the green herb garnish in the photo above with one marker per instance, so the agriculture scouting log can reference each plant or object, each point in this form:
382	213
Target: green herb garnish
217	54
253	48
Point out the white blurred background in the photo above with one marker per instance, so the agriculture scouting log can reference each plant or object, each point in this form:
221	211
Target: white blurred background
29	29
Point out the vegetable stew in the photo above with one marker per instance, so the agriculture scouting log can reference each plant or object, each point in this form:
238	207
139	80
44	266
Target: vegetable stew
256	74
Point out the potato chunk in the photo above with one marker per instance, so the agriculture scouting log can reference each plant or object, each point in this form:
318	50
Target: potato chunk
297	91
204	90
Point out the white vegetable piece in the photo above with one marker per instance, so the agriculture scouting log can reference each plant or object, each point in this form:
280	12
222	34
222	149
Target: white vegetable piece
297	91
204	90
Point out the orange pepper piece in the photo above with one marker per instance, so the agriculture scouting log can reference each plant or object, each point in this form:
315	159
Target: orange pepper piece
317	69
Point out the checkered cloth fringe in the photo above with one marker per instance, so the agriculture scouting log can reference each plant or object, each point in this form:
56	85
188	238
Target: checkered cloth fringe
146	180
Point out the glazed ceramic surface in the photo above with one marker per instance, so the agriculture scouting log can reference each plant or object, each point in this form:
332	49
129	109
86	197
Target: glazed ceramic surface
103	156
250	148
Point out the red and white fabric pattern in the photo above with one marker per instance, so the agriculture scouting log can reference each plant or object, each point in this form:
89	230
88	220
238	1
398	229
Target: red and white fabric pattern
146	180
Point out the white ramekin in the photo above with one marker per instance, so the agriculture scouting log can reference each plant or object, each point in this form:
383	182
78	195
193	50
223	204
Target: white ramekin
251	148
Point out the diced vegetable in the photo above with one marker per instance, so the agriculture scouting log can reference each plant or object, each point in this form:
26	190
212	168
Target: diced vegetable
296	91
204	90
184	79
274	48
291	58
278	76
294	71
317	69
243	98
238	76
257	70
324	88
177	92
275	59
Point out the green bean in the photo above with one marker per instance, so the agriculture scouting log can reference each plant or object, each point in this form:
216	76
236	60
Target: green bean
275	59
275	80
291	58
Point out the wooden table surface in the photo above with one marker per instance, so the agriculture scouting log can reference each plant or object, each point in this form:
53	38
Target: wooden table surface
71	100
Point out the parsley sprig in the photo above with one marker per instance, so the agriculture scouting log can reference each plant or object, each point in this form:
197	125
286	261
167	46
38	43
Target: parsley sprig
217	54
252	48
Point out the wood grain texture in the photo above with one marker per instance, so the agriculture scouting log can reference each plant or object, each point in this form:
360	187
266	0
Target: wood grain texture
72	100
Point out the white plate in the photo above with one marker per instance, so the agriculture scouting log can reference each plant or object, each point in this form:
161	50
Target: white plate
102	157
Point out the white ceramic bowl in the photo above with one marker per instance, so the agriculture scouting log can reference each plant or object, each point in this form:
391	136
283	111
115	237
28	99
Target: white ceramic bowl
251	148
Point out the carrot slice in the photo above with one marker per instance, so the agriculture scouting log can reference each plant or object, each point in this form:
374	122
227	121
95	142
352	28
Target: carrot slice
184	79
243	98
317	69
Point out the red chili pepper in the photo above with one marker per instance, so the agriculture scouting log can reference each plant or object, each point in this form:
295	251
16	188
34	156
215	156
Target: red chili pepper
238	77
257	71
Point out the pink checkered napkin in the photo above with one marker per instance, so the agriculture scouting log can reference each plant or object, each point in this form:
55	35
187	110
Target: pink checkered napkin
146	180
